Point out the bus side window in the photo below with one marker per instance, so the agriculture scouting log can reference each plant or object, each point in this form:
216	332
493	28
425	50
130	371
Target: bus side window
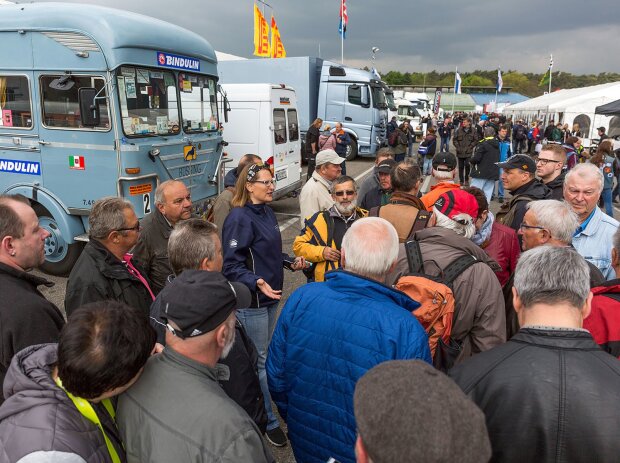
279	124
61	108
15	105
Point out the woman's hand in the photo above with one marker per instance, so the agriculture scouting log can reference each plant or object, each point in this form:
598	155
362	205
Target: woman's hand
264	288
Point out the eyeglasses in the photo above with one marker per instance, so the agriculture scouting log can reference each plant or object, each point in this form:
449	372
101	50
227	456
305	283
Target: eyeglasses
544	161
135	228
342	193
523	225
265	182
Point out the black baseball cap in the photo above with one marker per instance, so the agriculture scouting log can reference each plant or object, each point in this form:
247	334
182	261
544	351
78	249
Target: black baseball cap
444	158
386	166
519	161
198	301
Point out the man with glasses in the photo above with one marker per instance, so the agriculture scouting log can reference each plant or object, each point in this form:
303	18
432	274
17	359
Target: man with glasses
550	169
105	270
315	196
582	189
319	242
173	203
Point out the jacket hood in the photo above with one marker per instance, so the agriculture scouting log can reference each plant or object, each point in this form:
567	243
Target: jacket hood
347	282
444	237
29	382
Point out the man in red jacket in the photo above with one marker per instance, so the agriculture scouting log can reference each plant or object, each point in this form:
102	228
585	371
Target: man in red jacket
604	319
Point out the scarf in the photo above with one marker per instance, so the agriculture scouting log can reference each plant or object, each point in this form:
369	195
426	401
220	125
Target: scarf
485	232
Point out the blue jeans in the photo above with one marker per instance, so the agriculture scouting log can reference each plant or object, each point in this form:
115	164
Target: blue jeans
500	185
259	324
607	201
445	142
428	165
487	186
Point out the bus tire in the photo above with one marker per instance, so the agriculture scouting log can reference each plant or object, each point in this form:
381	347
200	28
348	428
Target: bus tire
351	150
60	257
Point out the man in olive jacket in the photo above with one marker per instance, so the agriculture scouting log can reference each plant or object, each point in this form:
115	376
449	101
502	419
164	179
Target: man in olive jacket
464	142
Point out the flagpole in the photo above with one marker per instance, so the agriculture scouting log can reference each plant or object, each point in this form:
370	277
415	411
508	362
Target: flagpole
454	92
550	70
342	31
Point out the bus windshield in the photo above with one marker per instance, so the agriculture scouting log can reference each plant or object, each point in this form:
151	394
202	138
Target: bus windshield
198	102
148	101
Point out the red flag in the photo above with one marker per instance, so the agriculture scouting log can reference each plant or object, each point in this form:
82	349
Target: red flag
344	19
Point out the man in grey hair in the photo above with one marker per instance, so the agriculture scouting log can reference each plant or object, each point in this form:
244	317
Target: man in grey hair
105	269
553	223
550	387
329	334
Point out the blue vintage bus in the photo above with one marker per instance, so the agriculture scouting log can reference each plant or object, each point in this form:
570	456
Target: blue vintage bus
100	102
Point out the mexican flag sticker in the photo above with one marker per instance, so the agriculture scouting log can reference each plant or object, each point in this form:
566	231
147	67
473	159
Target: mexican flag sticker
76	162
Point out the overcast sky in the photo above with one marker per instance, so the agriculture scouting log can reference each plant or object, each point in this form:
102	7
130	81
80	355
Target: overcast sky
415	35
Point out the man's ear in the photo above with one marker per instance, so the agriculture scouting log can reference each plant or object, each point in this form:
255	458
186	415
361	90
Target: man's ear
516	300
221	335
615	258
342	260
587	307
360	451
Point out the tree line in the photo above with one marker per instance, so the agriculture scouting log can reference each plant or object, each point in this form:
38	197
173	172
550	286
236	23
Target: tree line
525	83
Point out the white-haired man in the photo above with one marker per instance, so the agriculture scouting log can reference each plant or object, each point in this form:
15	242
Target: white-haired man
583	186
329	334
479	318
550	383
444	173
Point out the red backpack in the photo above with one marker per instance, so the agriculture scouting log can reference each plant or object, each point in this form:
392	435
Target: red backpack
437	304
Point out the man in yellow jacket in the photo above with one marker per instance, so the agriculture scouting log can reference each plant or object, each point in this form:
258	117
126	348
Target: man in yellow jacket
319	241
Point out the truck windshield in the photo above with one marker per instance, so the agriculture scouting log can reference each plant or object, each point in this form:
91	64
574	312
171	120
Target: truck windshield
148	101
389	97
198	102
378	97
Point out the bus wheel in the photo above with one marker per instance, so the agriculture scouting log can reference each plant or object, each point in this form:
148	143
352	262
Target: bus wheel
60	257
351	150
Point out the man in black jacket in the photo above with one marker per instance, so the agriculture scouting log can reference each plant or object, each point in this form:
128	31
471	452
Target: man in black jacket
550	393
173	203
518	178
26	317
105	269
550	169
484	170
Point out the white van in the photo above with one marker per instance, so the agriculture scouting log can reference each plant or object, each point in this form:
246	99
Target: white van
263	121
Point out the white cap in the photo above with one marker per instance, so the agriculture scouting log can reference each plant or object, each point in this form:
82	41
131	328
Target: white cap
325	156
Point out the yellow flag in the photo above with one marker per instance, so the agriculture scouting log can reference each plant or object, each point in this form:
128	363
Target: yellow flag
261	34
277	47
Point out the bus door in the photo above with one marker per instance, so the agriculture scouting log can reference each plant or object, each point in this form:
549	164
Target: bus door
79	163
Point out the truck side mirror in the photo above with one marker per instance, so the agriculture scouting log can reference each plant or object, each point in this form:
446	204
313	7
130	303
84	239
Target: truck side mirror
226	108
89	106
365	96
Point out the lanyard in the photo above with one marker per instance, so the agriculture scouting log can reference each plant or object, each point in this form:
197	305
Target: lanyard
88	412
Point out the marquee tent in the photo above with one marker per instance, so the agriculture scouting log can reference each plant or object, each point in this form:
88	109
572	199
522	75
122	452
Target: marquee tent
609	109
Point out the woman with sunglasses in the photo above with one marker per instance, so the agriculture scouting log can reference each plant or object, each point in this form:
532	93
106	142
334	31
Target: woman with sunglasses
252	247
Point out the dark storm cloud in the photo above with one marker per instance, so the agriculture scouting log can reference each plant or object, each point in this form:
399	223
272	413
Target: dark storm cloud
415	35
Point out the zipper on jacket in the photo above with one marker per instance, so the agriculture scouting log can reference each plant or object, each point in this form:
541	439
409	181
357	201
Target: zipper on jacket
254	272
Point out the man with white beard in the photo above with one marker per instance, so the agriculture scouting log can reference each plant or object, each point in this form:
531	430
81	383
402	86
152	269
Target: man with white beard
177	407
319	241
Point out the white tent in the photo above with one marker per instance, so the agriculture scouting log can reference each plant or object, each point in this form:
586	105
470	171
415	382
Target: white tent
575	105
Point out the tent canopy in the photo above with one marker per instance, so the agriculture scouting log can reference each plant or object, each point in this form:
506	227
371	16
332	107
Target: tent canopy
609	109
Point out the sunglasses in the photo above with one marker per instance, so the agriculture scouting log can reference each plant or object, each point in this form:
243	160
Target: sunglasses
264	182
342	193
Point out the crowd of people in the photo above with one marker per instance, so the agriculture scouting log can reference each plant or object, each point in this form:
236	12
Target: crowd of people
430	328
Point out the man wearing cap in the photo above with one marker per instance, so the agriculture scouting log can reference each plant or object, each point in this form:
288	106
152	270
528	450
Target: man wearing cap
329	334
601	134
320	240
519	136
177	408
372	181
380	195
403	208
549	393
484	170
396	406
464	143
444	172
518	177
479	320
315	195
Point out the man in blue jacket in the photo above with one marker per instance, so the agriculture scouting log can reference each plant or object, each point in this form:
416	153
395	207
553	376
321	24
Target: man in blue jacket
329	334
505	151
